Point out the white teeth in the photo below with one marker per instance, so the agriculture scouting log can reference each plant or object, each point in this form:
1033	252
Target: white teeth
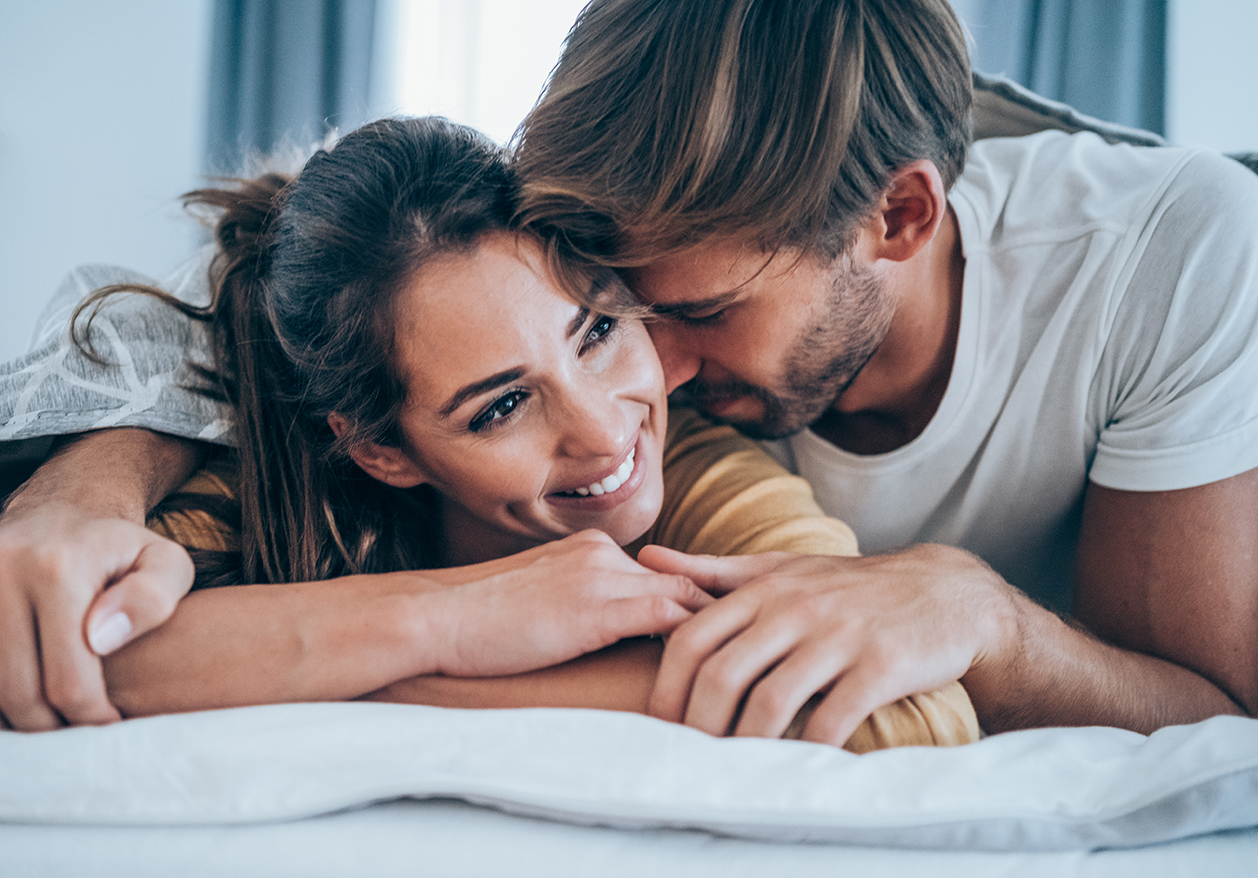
612	482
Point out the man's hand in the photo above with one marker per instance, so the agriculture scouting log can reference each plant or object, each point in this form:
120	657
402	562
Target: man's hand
551	604
80	575
866	631
55	562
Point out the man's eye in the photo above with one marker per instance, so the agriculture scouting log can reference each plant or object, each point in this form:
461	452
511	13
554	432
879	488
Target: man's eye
700	319
497	412
600	331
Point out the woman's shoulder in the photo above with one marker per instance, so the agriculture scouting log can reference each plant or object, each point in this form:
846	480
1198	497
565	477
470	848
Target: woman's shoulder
723	494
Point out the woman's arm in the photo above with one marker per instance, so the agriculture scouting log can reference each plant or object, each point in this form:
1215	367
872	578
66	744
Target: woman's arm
723	495
619	677
346	637
209	654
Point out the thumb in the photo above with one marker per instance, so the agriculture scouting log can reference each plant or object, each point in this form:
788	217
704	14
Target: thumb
141	598
646	615
712	573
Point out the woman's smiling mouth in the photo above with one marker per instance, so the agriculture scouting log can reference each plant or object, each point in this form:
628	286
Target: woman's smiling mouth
608	491
609	484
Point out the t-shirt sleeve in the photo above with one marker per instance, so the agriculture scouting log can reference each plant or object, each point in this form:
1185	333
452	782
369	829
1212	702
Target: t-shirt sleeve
1176	394
723	495
146	377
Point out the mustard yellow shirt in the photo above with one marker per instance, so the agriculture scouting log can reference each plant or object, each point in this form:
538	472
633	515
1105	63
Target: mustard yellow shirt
722	496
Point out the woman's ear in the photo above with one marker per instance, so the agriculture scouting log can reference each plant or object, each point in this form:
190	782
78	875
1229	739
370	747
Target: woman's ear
382	462
909	214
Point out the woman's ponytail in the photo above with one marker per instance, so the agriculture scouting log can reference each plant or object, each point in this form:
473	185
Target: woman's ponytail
301	318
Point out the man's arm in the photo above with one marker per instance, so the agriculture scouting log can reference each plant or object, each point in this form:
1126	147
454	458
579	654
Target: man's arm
1169	579
75	530
1174	574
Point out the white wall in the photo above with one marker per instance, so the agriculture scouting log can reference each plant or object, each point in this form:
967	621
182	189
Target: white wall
1212	74
102	119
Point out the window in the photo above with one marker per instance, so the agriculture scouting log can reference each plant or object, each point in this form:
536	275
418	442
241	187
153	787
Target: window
480	62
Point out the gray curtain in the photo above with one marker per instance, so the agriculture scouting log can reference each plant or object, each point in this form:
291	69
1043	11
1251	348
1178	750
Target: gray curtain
285	71
1106	58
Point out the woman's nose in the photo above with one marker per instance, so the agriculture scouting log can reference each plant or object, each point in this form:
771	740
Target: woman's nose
593	423
677	357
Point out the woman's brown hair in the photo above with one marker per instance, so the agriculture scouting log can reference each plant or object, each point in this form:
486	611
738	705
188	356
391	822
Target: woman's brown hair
301	317
668	122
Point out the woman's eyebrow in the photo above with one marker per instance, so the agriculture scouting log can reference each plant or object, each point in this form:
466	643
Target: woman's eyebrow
476	388
577	322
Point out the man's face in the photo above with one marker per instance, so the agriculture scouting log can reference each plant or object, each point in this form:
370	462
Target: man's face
764	342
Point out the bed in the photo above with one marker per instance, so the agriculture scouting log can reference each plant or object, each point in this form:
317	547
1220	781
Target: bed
378	789
383	789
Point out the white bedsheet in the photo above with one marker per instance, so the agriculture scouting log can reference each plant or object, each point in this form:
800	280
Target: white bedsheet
253	769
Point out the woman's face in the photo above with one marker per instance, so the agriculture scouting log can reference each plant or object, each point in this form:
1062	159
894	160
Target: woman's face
532	416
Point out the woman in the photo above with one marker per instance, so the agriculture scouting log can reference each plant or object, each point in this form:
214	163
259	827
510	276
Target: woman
415	391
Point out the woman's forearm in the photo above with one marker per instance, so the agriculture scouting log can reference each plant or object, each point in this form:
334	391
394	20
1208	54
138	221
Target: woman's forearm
619	677
345	637
259	644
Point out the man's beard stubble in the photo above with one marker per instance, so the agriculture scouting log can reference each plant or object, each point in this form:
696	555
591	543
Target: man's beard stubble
827	359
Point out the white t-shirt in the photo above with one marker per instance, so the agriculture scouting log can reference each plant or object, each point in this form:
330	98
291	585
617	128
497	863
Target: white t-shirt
1109	331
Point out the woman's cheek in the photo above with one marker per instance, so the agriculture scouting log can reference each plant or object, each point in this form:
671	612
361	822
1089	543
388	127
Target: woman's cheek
642	365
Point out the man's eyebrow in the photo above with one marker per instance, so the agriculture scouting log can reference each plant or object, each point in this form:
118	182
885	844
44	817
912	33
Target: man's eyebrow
695	306
479	387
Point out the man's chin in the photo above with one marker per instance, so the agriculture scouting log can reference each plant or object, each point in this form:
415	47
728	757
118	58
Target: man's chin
734	409
749	417
757	415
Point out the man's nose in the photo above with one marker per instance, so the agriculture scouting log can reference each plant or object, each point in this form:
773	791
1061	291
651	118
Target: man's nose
680	360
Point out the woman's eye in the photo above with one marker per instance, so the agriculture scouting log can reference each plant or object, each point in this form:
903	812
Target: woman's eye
600	330
498	411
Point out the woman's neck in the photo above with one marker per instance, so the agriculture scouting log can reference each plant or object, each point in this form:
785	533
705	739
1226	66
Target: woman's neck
469	540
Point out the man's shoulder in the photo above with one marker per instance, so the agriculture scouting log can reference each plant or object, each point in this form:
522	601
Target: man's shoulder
1054	185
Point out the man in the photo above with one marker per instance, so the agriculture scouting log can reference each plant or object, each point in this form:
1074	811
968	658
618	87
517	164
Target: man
1051	368
1016	371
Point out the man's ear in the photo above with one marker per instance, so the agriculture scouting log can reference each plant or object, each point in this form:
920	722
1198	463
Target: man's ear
909	214
382	462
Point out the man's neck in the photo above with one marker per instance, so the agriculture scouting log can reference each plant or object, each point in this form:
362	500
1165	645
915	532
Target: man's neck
900	389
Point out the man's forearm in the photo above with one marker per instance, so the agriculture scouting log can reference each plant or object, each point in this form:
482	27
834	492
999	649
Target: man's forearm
119	473
1063	676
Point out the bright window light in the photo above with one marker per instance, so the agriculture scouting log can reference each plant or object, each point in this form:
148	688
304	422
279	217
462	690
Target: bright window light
480	62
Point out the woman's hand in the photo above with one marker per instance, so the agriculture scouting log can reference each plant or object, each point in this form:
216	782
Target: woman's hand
550	604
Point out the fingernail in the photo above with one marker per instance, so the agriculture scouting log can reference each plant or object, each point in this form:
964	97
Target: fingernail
110	634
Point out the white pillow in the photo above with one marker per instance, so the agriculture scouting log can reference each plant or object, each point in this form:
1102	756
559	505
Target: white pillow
1041	789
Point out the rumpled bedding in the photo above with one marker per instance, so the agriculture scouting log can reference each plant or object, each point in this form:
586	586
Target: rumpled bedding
1045	790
